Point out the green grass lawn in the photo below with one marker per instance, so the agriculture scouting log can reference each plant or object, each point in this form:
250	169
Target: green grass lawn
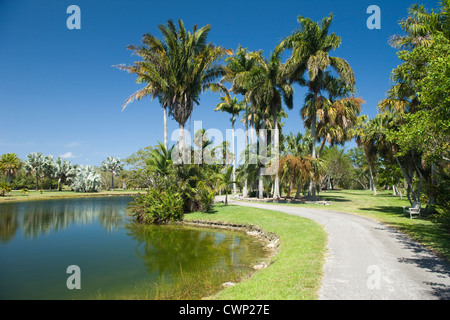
297	269
17	195
388	209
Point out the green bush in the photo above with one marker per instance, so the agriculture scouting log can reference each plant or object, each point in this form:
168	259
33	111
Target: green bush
158	206
5	189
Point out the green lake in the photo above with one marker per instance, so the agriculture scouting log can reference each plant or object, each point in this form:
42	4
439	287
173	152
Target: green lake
117	258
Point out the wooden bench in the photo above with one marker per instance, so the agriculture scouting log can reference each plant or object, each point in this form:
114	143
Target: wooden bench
413	211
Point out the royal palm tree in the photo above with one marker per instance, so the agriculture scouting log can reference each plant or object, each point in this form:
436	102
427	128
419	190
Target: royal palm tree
310	46
9	165
267	88
193	68
35	165
233	107
236	67
178	68
114	165
154	71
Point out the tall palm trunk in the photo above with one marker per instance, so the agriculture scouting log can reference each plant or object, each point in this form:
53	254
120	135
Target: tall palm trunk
245	188
312	185
260	176
276	186
233	174
165	127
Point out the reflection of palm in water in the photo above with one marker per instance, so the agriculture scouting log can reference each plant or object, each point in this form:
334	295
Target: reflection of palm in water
38	218
170	250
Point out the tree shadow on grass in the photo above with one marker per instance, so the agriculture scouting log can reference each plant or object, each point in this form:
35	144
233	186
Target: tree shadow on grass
392	210
438	265
333	198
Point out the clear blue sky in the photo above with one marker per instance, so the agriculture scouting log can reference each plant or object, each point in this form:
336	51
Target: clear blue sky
60	95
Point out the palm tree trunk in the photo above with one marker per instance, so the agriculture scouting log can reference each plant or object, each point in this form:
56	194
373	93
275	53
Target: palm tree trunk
165	128
245	188
276	187
299	186
37	182
312	187
233	174
372	181
181	143
112	180
260	176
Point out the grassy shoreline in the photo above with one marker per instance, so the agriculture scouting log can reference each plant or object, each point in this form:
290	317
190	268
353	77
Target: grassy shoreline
295	272
18	196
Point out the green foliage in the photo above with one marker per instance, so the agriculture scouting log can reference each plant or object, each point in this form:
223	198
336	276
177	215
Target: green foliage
158	206
5	189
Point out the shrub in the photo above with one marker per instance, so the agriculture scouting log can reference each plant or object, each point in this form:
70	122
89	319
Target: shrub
5	188
158	206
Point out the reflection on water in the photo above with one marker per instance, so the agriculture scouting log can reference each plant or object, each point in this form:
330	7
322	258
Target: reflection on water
39	239
36	218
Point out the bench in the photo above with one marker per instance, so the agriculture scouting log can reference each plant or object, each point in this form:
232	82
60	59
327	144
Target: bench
413	211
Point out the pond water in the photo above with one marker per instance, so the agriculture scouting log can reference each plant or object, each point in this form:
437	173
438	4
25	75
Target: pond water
117	258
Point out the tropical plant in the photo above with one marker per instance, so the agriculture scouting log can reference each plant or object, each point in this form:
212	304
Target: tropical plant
267	88
62	171
35	165
181	67
310	46
236	68
86	179
5	189
233	107
10	164
420	25
113	165
158	206
224	180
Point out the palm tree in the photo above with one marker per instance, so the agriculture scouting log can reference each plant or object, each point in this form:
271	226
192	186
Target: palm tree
49	168
9	165
236	67
35	164
62	170
114	165
153	70
296	161
420	25
310	46
337	114
160	161
193	67
233	107
223	180
268	89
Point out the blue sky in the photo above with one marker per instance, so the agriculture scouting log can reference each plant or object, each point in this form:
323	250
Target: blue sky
60	95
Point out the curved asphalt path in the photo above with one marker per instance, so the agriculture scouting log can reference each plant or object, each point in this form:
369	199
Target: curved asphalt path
369	260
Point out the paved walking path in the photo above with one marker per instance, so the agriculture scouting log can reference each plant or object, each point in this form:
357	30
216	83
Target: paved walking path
369	260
